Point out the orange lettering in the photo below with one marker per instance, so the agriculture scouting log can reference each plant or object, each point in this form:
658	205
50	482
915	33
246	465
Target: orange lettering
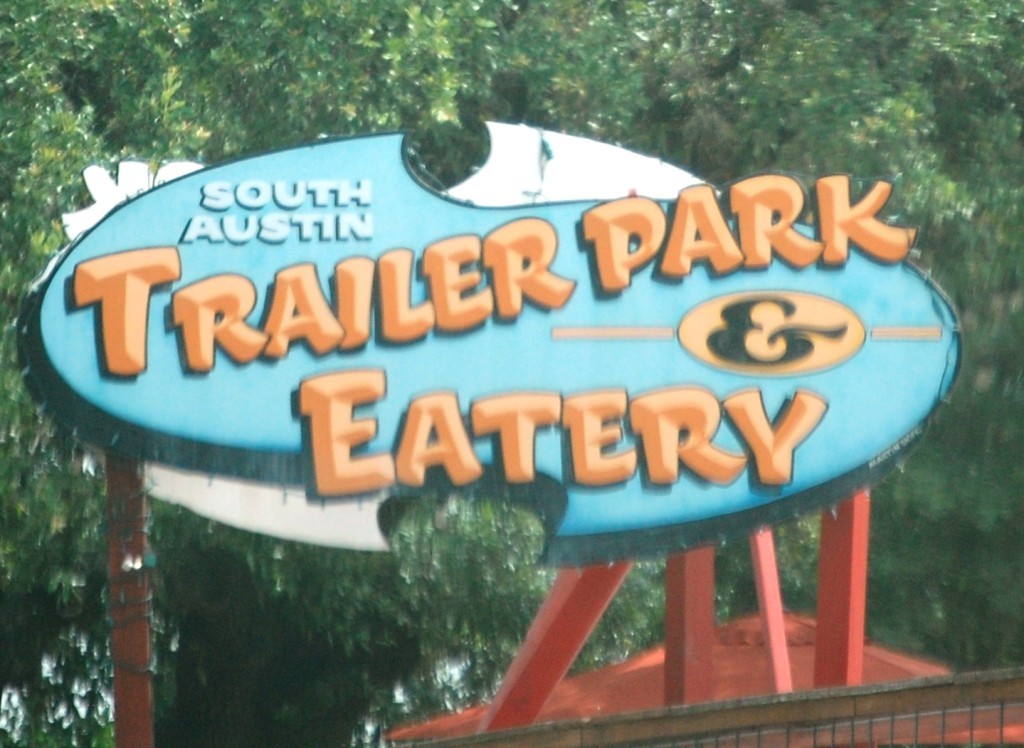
767	207
839	222
328	402
773	444
699	232
660	418
457	305
400	321
212	312
594	422
518	256
626	235
299	311
122	284
514	418
353	291
434	436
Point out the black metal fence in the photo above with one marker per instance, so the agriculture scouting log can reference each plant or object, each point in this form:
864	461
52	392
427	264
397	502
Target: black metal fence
967	709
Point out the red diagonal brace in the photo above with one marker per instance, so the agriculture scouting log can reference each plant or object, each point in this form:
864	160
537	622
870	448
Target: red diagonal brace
769	599
573	607
842	593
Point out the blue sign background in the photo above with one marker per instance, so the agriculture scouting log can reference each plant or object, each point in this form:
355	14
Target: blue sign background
240	419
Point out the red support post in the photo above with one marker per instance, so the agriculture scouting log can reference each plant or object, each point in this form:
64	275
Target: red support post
690	626
769	599
573	607
842	593
128	558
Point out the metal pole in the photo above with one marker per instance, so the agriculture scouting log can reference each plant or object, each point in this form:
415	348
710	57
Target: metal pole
128	562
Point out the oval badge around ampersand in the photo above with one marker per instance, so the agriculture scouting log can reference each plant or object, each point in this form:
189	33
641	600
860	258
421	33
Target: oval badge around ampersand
649	370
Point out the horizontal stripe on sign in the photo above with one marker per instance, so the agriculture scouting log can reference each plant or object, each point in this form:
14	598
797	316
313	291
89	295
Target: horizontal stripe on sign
906	333
612	333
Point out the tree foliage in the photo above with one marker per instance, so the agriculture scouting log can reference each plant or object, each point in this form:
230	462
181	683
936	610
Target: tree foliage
276	644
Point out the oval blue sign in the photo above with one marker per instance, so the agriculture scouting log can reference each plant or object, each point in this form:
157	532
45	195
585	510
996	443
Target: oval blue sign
647	374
